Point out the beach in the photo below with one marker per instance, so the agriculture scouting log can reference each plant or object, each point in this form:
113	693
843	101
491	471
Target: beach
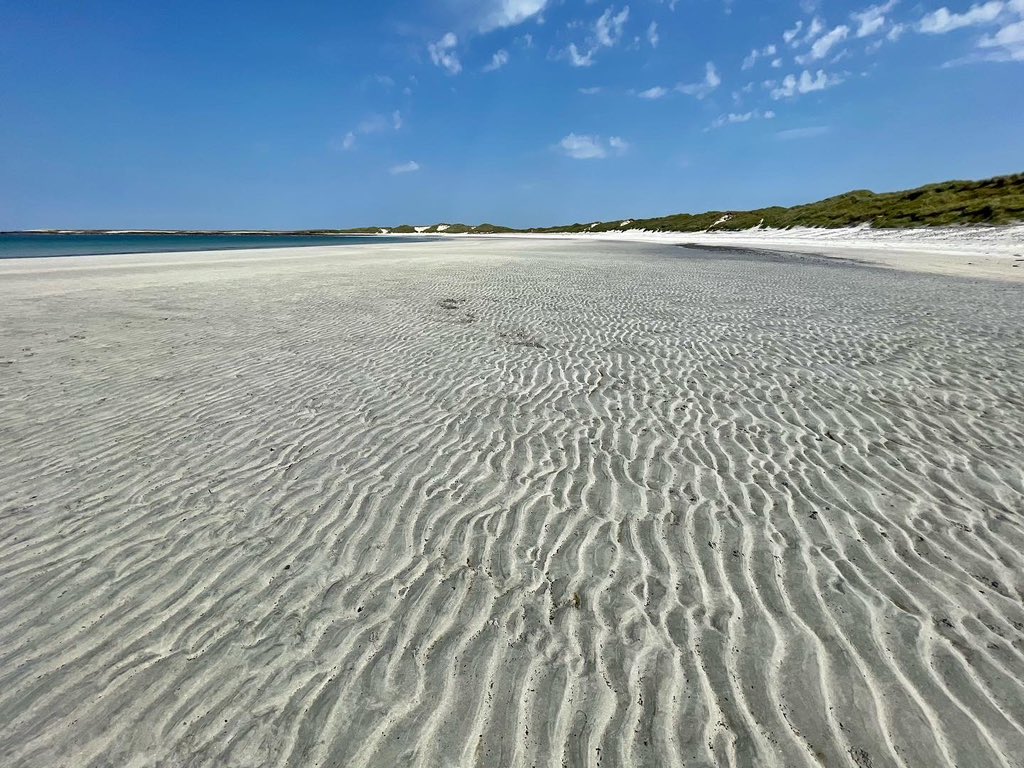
514	501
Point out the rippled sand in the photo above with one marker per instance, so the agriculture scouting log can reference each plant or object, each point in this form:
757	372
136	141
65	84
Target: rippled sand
509	504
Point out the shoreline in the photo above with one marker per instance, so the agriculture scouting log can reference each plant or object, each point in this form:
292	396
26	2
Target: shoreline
993	253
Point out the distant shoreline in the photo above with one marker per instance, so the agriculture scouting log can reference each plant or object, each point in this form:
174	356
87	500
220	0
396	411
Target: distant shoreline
997	201
204	232
972	252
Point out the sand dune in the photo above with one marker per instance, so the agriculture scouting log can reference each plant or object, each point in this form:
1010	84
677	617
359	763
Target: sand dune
509	503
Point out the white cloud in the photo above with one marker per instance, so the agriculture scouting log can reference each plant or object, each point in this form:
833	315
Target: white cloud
790	35
824	44
443	54
591	90
590	147
370	125
776	63
744	117
608	28
656	92
498	60
803	35
411	167
710	82
583	147
895	32
508	13
578	59
942	21
1007	44
759	53
607	32
871	20
807	83
652	34
802	133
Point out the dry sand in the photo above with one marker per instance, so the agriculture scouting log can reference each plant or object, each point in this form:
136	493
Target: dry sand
509	503
968	251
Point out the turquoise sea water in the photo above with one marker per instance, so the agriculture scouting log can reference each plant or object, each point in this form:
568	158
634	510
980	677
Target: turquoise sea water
20	245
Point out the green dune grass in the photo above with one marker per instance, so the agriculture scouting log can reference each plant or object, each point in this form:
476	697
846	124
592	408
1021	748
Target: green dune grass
991	201
999	200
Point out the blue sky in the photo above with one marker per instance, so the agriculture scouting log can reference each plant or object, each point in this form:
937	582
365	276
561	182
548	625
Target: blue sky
520	112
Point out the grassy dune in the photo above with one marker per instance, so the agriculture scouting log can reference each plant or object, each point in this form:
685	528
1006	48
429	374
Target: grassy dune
991	201
998	200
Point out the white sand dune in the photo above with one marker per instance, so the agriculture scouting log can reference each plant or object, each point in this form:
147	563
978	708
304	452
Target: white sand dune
508	502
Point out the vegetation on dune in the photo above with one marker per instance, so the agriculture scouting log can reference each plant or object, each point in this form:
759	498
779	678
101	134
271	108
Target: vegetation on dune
992	201
999	200
491	229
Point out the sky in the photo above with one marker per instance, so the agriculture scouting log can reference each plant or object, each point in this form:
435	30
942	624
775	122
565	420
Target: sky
274	115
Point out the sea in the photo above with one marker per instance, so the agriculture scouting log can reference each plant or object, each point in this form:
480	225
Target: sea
28	245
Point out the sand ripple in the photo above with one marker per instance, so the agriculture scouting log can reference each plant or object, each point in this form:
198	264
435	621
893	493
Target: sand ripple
502	506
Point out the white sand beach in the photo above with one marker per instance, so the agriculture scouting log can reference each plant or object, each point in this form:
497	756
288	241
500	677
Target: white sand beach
968	251
514	502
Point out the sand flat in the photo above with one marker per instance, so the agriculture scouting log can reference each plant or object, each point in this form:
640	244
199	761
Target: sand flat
991	252
509	502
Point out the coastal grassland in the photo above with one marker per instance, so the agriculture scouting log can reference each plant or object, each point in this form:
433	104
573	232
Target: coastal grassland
993	201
